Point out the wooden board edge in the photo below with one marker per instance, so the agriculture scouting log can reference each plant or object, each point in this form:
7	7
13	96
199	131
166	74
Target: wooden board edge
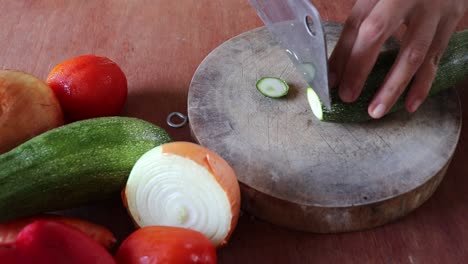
325	220
336	219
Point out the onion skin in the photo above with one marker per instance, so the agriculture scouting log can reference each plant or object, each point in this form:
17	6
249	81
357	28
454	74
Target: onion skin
218	168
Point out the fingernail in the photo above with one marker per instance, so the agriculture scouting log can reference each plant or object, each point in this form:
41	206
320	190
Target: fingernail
378	111
415	105
332	79
346	94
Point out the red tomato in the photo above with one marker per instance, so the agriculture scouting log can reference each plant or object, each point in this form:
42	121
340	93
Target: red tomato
89	86
164	244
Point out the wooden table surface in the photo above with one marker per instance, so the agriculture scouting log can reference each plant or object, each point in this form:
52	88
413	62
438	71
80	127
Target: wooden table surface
159	44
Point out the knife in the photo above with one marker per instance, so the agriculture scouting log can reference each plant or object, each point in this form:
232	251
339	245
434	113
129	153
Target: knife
298	29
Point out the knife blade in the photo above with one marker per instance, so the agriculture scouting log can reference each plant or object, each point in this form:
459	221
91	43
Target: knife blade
297	27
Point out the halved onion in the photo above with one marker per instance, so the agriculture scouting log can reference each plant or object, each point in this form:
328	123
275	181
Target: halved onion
184	185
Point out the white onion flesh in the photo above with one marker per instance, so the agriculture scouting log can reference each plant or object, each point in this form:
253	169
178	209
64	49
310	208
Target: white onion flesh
171	190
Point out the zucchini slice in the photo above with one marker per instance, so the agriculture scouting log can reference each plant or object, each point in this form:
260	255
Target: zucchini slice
315	103
272	87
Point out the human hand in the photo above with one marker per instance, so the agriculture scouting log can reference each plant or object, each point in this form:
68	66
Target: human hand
430	23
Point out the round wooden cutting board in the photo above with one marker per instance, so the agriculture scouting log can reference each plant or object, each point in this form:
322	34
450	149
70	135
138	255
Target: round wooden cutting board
298	172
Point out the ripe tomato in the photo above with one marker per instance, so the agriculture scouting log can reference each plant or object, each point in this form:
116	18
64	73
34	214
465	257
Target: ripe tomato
165	244
89	86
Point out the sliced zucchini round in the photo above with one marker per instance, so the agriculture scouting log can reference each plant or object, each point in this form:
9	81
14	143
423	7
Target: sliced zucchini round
315	103
272	87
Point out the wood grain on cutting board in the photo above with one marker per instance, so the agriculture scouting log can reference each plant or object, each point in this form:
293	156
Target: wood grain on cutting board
159	44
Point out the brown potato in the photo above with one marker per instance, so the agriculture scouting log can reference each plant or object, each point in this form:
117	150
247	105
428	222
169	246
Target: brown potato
28	107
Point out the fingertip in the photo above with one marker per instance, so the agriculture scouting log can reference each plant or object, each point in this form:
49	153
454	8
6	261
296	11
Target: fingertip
346	94
408	107
413	105
377	111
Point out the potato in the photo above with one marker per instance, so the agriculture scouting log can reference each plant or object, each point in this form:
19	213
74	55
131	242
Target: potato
28	107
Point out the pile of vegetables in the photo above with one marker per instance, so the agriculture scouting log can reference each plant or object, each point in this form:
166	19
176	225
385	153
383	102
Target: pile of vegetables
64	145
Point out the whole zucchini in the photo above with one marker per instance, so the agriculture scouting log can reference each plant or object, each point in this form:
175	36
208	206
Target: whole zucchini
453	68
74	164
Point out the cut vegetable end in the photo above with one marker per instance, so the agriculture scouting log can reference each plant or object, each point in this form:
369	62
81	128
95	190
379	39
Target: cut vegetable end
315	104
272	87
168	189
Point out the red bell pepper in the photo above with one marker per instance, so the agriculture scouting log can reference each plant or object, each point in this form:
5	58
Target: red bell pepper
10	230
49	242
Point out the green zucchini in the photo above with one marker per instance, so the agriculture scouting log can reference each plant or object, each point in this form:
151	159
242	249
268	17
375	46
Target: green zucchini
72	165
453	68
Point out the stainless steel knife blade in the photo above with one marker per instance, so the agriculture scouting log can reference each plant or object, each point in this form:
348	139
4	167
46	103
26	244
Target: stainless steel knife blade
297	27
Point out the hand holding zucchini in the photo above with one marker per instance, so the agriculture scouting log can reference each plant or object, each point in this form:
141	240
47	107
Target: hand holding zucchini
453	68
74	164
428	27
